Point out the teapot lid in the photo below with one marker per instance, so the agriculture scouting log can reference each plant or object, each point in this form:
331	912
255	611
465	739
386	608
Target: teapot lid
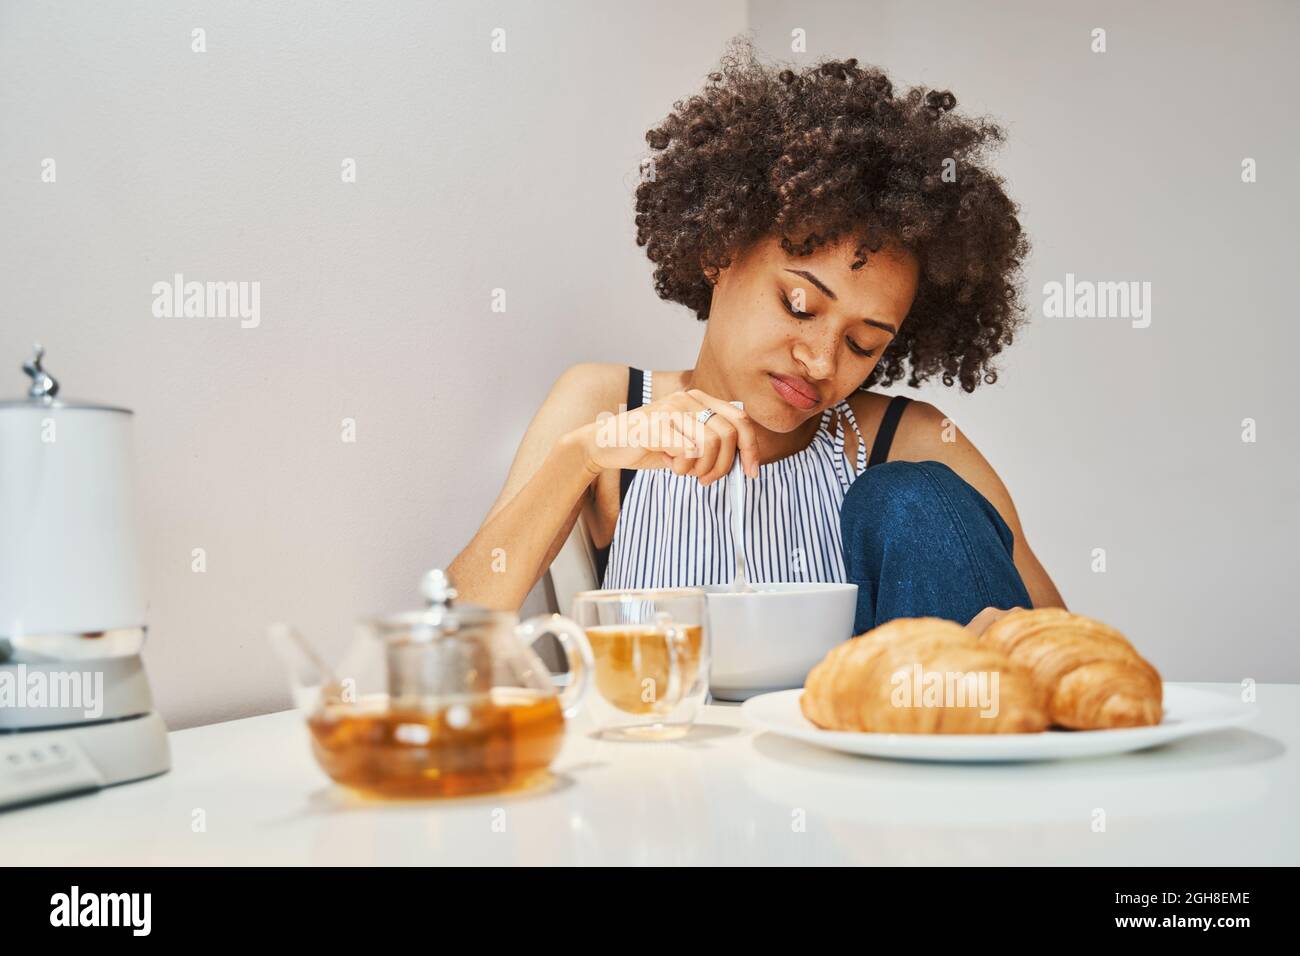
442	615
437	588
43	389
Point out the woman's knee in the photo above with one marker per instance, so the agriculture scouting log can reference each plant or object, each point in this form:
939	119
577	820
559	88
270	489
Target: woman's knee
893	492
921	541
912	496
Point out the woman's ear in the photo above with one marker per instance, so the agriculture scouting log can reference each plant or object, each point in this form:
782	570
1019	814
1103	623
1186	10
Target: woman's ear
710	274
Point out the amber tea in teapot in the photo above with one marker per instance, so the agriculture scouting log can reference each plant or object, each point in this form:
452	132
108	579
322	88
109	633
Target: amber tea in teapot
503	742
442	702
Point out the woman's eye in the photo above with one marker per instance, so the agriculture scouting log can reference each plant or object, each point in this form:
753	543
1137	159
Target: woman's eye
792	310
853	346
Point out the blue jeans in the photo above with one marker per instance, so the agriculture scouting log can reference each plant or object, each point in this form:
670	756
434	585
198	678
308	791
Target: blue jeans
919	541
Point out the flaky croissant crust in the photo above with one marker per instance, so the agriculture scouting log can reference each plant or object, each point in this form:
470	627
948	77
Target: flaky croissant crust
1054	667
1095	679
852	688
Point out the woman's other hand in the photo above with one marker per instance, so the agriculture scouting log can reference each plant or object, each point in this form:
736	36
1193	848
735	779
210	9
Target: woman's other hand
981	621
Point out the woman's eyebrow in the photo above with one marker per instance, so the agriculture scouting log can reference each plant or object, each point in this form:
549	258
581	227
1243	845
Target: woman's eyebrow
814	280
827	290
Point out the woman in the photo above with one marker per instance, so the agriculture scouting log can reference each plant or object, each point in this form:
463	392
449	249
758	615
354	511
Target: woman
835	237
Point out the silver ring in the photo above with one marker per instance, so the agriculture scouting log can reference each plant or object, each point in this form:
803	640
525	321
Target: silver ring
703	416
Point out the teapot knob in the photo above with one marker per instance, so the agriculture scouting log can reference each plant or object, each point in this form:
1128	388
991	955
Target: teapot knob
43	384
436	587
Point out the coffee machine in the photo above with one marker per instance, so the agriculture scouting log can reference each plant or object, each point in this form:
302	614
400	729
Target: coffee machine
76	713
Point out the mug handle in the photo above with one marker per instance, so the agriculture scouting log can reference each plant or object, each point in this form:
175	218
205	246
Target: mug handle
577	650
674	638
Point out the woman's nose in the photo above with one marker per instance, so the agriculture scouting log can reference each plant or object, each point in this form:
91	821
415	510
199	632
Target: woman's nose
818	358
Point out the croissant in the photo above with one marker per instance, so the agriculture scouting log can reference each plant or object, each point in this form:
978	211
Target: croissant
1094	678
922	676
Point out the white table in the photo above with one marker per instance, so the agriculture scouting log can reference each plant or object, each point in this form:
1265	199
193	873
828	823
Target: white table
723	795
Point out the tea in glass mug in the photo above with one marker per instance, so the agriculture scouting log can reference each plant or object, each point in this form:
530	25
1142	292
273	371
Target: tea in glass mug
650	653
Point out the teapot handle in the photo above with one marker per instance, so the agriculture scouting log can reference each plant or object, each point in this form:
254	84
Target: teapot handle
577	649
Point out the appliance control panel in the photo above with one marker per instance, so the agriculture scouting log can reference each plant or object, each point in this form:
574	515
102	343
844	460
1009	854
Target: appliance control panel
40	765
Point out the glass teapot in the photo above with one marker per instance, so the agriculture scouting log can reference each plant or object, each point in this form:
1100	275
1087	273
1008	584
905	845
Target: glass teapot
445	701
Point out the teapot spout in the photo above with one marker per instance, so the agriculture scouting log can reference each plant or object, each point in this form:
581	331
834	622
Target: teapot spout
311	681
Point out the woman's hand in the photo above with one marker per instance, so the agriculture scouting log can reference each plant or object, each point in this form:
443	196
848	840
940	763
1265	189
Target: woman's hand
667	434
981	621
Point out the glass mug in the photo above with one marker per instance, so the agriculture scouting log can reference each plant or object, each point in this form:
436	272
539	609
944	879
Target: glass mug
651	653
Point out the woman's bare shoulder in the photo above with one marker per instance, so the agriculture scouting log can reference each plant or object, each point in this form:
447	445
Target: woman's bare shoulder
867	403
868	410
586	389
581	394
919	425
576	398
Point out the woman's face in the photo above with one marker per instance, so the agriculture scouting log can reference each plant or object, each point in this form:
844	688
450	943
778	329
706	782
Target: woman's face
794	335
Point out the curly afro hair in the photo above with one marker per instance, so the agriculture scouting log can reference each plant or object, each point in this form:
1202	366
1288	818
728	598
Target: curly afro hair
830	151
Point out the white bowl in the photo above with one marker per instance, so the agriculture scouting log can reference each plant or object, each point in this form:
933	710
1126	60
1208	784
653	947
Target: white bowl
770	639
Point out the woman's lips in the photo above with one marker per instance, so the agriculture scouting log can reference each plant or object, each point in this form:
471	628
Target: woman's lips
793	392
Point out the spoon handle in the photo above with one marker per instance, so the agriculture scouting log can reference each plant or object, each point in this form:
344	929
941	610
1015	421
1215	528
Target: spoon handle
736	491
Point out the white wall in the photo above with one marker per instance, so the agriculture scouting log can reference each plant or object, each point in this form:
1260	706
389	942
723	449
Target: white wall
515	170
1127	165
475	171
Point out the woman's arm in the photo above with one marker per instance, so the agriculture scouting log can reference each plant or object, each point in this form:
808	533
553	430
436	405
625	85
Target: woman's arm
565	449
548	483
925	433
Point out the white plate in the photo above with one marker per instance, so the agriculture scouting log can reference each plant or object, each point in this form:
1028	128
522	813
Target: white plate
1187	712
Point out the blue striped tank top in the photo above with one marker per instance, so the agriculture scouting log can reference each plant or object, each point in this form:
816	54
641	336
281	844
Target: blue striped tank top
674	532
